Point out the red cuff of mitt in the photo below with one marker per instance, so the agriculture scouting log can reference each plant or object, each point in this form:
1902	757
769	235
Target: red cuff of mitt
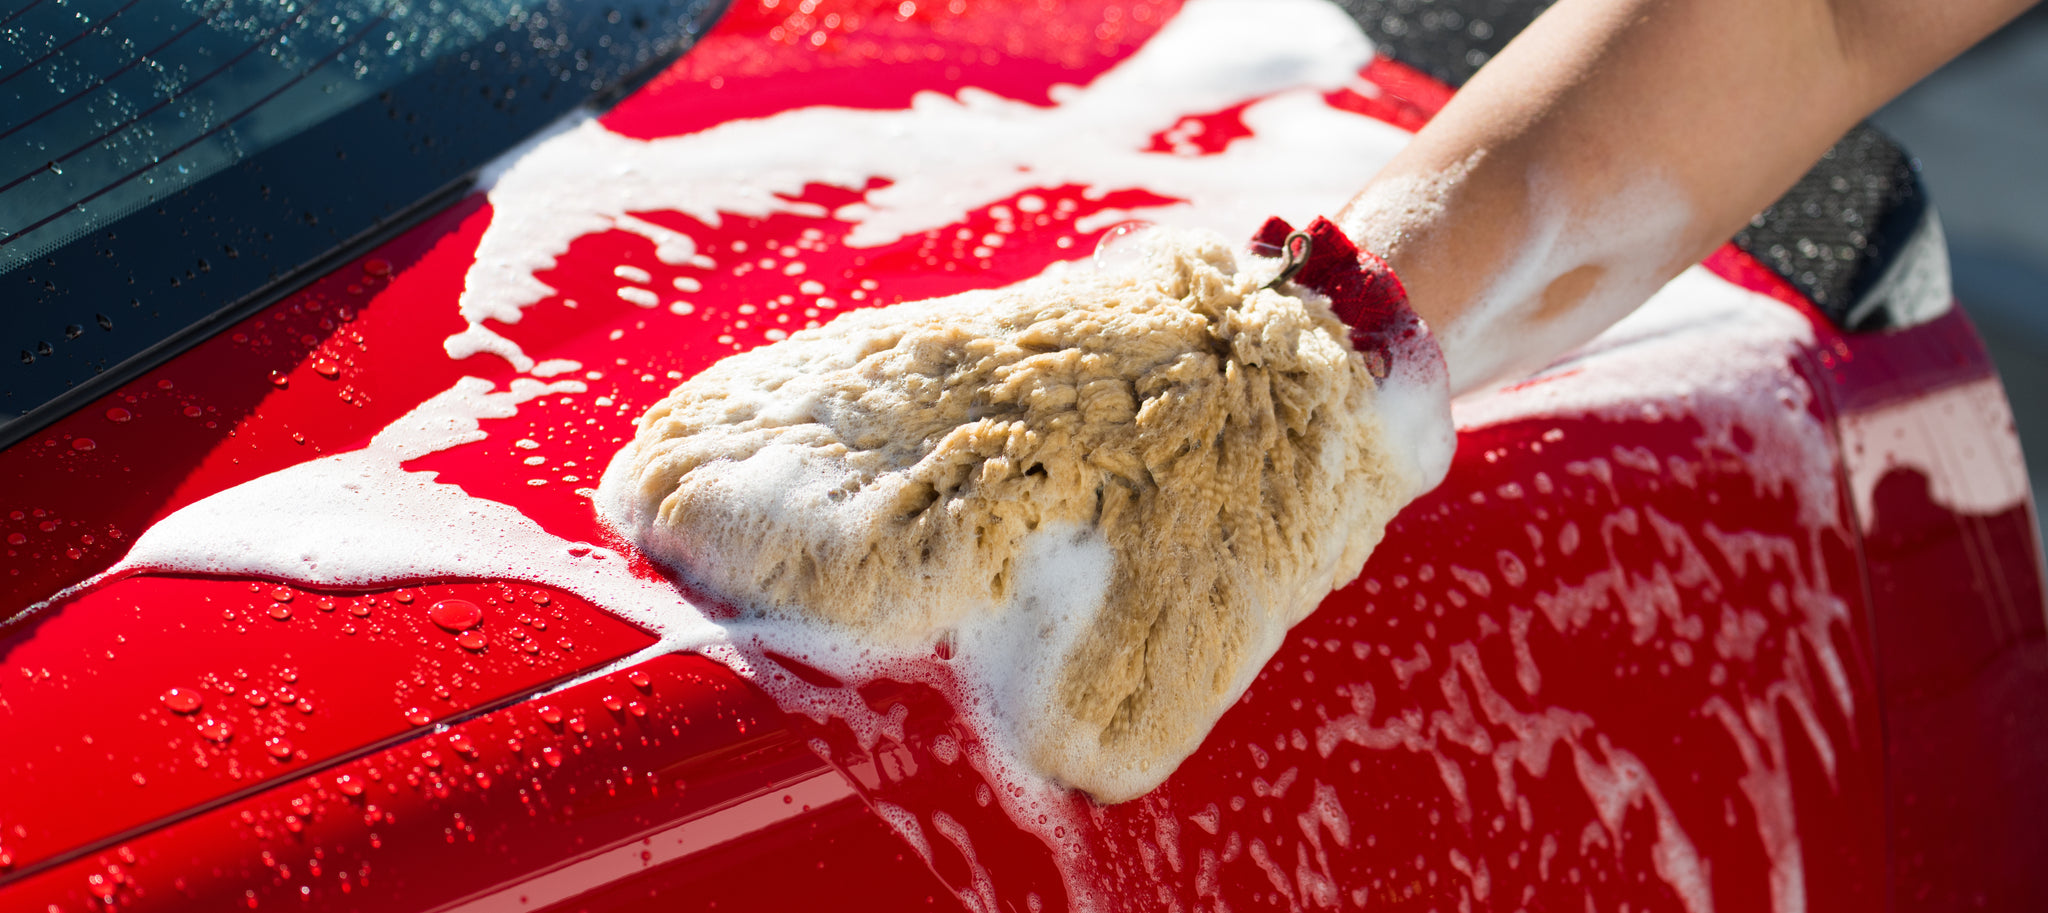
1399	350
1363	291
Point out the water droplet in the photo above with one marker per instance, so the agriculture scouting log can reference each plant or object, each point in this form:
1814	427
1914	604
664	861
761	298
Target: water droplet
118	414
256	698
640	680
327	367
16	539
417	717
552	756
280	379
456	614
279	748
551	716
473	640
377	266
182	700
192	411
348	785
83	443
403	597
281	612
462	745
281	594
216	730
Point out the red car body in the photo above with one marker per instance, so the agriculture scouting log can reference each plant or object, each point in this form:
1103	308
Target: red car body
1771	640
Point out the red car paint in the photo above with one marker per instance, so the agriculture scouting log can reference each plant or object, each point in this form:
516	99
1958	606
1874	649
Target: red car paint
1554	657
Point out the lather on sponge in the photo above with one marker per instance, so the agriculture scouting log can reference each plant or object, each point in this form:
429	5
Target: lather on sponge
1114	490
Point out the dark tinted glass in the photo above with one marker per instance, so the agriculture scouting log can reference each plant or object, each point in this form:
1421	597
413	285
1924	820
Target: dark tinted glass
167	164
106	106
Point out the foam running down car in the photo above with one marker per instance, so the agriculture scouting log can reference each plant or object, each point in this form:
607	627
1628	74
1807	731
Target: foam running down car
329	319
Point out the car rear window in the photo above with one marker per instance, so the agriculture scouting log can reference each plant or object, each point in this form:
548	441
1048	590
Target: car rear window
167	165
106	106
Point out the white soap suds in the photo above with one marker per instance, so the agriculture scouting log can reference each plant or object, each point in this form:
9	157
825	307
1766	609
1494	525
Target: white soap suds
359	518
555	367
896	472
949	155
1749	383
1749	386
1962	439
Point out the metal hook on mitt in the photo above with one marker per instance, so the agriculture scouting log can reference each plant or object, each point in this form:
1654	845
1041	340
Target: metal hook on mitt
1296	250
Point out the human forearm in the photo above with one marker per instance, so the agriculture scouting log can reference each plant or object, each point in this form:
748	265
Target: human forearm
1617	141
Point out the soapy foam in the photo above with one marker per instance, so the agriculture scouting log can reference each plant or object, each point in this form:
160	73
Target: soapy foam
896	472
360	518
949	155
1748	387
1628	368
1975	469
